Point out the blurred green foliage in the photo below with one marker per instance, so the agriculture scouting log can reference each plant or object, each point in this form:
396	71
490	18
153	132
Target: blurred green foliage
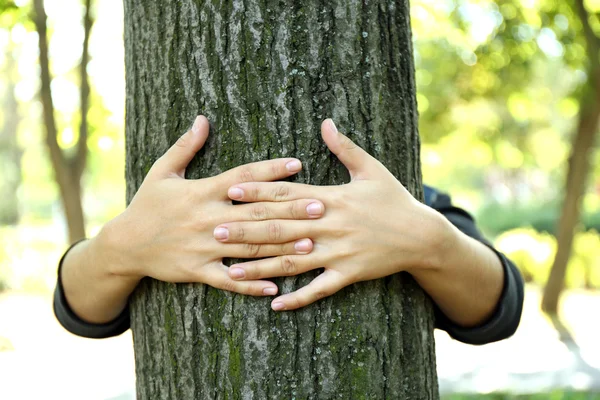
499	88
7	6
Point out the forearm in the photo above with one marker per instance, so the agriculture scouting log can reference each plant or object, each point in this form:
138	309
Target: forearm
94	293
464	277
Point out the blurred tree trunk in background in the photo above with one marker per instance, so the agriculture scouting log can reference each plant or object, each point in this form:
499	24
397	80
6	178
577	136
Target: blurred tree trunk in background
68	169
266	74
579	166
10	153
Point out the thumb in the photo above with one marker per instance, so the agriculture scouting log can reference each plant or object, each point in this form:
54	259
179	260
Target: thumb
177	158
358	161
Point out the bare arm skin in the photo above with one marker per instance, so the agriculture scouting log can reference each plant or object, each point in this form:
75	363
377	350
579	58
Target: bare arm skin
465	280
167	233
372	228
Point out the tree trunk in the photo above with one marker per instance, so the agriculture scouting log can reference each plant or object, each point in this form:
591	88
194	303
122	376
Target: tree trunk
10	153
67	170
579	167
266	73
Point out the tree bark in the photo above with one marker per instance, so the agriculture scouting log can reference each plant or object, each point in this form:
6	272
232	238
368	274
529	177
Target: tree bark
579	168
84	93
266	73
67	170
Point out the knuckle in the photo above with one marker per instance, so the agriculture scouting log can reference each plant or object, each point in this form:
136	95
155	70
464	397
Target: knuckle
182	141
254	193
253	250
260	212
281	193
206	220
274	231
338	198
239	233
288	265
229	285
246	175
320	294
295	303
205	188
348	144
293	210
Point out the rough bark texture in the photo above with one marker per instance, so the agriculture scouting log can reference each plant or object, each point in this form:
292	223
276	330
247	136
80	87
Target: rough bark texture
67	170
579	168
266	73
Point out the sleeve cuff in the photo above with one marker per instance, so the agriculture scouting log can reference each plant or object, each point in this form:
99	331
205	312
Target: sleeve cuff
71	322
504	321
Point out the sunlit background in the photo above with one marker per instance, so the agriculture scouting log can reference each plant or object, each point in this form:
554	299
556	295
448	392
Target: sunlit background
501	88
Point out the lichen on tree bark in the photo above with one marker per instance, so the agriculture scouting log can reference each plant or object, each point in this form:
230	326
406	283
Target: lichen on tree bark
266	73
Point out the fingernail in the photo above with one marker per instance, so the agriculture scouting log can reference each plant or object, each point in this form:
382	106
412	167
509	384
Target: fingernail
221	233
314	209
237	273
196	126
277	306
294	166
235	193
270	291
303	246
332	125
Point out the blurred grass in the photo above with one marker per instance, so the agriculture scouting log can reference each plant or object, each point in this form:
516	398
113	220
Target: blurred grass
556	395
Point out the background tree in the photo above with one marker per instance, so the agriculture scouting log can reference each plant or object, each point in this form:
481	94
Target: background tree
512	85
266	74
579	162
68	168
10	153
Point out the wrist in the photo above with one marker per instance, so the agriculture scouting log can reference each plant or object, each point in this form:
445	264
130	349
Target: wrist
441	240
110	246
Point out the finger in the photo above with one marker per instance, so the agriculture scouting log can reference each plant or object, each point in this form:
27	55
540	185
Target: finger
177	158
252	250
359	163
217	277
288	265
272	231
274	191
270	170
296	209
324	285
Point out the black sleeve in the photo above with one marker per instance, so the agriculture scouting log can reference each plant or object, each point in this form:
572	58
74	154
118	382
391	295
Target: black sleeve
71	322
506	317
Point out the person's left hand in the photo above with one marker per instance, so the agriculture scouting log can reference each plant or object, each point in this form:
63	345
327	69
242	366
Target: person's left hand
372	227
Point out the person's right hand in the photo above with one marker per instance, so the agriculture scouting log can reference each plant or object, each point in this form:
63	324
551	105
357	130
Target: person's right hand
167	231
